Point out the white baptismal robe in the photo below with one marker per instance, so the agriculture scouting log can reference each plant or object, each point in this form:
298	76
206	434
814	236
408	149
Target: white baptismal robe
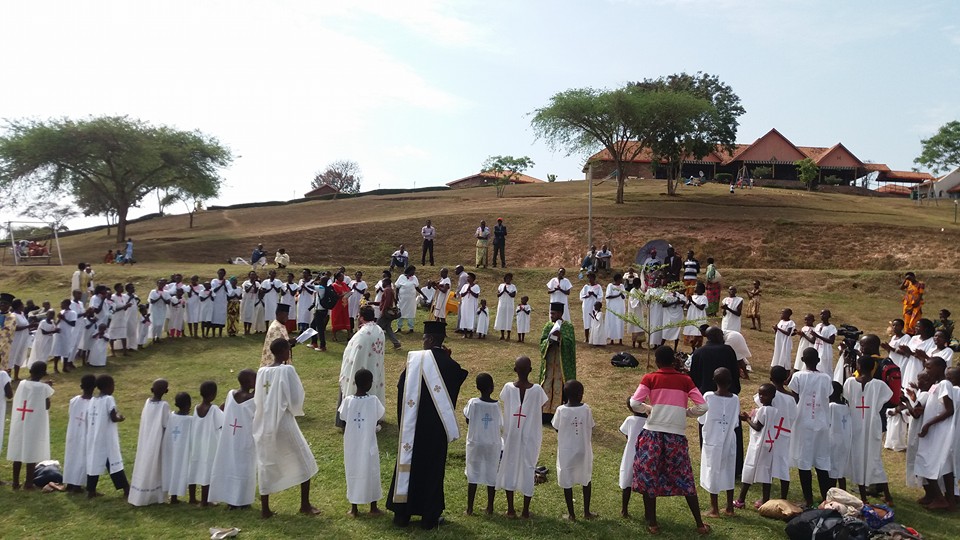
631	428
103	438
146	483
933	450
574	427
522	437
719	452
29	440
865	402
204	439
361	454
75	449
176	454
484	442
284	458
234	476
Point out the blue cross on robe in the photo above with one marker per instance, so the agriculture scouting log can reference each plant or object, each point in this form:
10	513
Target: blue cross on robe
359	421
176	433
486	420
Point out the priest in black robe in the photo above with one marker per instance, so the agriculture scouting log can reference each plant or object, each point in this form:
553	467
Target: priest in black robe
426	470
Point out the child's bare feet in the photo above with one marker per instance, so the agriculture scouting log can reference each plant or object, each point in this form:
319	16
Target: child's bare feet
526	515
703	529
352	513
589	515
510	514
266	514
729	512
624	514
712	514
468	513
568	517
376	512
310	510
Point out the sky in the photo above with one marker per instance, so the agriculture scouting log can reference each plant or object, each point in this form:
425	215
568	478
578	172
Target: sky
421	92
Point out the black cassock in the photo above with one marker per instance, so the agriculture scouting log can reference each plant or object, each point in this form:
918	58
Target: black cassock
427	467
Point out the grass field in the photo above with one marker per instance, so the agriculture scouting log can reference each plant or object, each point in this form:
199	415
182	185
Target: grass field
811	251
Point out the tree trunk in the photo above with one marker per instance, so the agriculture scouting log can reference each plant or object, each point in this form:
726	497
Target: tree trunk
191	218
621	180
122	225
671	179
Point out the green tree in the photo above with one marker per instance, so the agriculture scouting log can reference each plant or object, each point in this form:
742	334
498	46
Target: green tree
108	164
342	174
580	119
507	168
941	152
551	178
687	116
808	173
761	171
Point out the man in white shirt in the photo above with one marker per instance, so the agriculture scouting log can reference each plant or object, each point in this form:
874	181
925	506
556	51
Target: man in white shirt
428	232
399	258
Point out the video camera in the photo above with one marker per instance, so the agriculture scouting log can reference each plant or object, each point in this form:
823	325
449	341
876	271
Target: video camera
851	335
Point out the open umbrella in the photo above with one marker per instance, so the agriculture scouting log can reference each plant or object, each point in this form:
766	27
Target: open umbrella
644	252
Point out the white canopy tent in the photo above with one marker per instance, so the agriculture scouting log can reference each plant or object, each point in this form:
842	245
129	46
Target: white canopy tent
23	254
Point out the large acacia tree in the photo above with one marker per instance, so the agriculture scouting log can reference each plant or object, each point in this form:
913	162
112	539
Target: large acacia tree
941	152
108	164
581	119
687	116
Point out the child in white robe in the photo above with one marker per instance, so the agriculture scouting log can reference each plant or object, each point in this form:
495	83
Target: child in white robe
29	440
719	452
574	424
654	298
913	406
103	438
234	477
483	320
176	449
176	311
841	437
7	391
484	444
146	482
936	434
672	316
758	463
145	327
43	340
204	438
636	306
732	308
361	454
75	449
97	357
805	339
522	435
598	331
506	292
696	316
63	341
284	458
631	428
523	318
865	397
810	442
783	339
825	335
781	428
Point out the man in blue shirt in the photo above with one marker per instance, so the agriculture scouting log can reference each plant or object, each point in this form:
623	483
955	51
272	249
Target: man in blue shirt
499	242
259	257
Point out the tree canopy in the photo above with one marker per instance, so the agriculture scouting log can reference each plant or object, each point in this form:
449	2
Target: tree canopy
808	173
507	168
675	117
941	152
107	164
581	119
342	174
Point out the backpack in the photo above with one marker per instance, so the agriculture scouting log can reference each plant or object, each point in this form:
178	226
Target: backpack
624	359
330	298
817	525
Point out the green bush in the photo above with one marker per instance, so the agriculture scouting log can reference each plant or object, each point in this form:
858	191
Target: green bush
724	177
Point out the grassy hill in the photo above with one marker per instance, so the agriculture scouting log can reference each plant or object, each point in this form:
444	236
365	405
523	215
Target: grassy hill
758	228
811	251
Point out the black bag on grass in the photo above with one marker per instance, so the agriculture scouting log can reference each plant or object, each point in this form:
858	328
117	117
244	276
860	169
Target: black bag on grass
624	359
817	525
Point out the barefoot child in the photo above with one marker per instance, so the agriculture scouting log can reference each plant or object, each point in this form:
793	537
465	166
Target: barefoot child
631	427
841	439
598	333
913	401
866	396
522	436
234	476
103	438
933	448
146	485
523	318
782	427
574	424
204	439
284	458
483	320
506	292
758	463
484	445
97	356
696	315
783	333
75	449
29	440
753	306
805	340
361	454
718	454
812	438
176	449
144	330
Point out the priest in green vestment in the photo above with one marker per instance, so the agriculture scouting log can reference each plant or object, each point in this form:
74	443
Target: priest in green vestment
558	359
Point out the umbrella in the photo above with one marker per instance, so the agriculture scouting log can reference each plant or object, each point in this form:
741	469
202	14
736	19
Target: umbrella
660	245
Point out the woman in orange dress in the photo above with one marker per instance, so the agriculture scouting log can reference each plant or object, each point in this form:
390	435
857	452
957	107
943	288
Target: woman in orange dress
912	301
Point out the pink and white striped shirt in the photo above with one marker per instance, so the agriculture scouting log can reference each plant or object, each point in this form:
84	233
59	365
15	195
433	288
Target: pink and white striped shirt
668	391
